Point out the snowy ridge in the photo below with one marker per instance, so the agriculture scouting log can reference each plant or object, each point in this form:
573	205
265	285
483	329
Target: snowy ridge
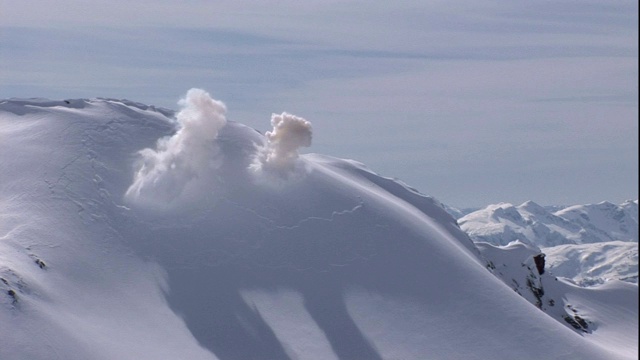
308	257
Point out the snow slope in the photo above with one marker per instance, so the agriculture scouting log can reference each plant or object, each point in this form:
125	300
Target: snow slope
588	310
220	243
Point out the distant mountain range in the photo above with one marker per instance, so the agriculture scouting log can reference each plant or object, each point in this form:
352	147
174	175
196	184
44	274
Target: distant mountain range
533	224
587	244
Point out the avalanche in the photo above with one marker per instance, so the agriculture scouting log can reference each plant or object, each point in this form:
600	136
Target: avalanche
128	231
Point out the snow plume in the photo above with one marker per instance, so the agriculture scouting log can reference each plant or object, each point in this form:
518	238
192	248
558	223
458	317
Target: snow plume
180	161
280	154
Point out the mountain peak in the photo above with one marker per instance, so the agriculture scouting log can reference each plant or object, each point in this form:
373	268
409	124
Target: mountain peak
532	207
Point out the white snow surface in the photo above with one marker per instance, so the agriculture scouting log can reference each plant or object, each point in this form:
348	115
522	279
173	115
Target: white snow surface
336	262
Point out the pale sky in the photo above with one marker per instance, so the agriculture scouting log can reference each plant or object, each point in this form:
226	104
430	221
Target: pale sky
472	102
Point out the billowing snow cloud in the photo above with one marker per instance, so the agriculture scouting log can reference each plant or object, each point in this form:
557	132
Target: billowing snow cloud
280	155
165	172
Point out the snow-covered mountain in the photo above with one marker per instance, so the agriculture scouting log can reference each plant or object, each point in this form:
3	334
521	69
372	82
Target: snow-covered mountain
606	221
526	269
131	232
533	224
586	244
591	264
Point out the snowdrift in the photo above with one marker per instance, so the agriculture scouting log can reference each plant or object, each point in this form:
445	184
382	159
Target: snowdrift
131	232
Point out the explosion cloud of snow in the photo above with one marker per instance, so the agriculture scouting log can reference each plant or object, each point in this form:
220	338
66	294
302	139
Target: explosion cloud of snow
280	154
181	159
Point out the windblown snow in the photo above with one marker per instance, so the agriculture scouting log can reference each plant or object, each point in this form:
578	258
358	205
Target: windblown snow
133	232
